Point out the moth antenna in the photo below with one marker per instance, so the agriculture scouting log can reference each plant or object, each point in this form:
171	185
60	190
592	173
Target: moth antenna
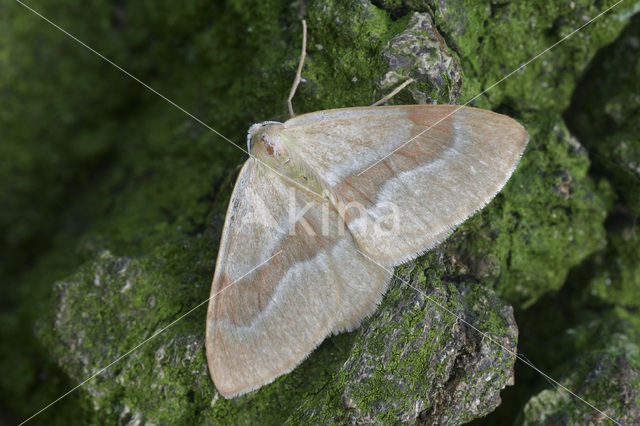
296	81
394	92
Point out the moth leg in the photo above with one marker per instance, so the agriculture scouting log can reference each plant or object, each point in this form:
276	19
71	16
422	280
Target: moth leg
394	92
296	81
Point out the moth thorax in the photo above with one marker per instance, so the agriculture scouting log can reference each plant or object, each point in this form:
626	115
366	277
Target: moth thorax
266	141
271	145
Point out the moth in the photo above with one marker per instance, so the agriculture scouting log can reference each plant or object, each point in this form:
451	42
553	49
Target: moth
334	200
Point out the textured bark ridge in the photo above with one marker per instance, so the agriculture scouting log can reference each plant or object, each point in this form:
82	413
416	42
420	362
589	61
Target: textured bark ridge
417	359
420	52
113	203
606	372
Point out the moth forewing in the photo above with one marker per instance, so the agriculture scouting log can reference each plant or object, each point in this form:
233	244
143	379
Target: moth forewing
437	164
264	321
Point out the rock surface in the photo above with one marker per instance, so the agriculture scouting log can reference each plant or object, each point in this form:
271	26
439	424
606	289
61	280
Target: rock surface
437	351
421	53
606	373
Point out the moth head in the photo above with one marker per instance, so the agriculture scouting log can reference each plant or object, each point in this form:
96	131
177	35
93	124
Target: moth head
265	142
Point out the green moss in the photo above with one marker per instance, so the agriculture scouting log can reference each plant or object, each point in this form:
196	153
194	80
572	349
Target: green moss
612	275
552	214
93	162
548	219
344	62
495	38
605	114
411	355
606	372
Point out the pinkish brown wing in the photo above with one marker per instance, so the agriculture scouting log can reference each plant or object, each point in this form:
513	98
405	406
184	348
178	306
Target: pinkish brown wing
265	318
403	177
